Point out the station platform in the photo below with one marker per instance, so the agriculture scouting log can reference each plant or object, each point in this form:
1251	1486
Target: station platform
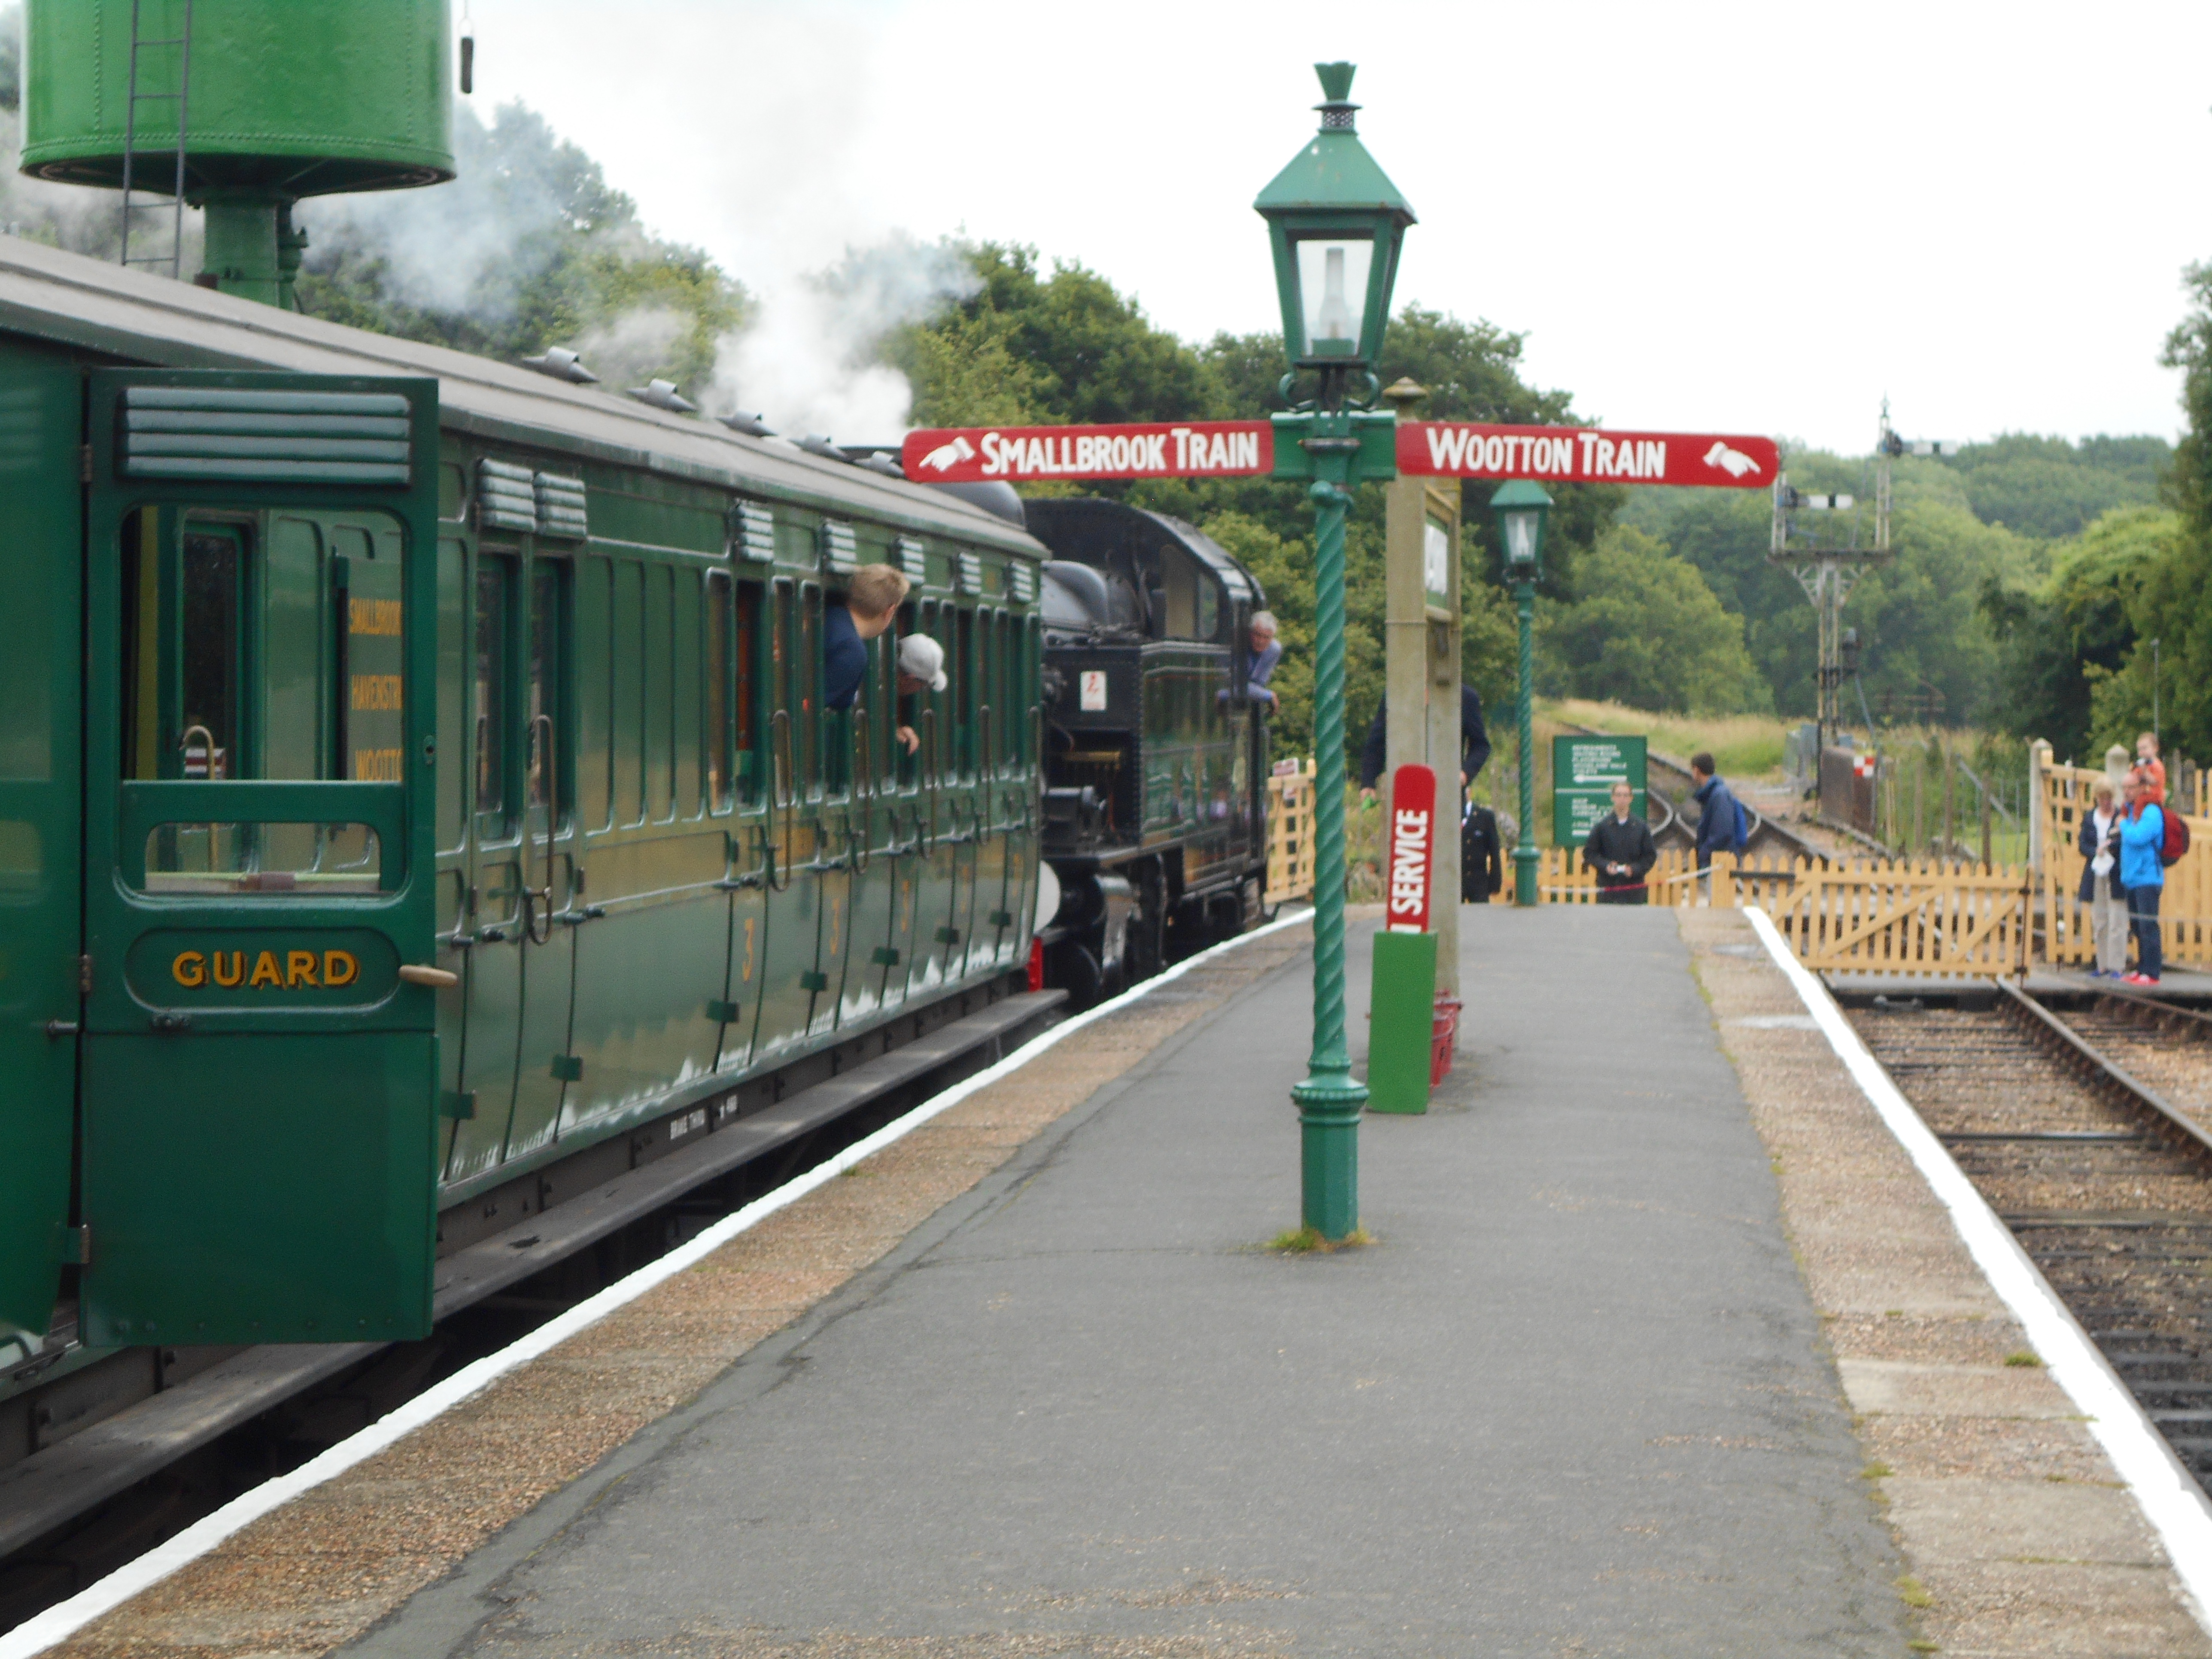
1574	1398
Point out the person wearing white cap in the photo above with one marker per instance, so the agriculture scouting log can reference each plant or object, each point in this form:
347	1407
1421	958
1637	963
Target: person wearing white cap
920	668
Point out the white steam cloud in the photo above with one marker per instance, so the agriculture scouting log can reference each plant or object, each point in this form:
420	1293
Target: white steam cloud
807	359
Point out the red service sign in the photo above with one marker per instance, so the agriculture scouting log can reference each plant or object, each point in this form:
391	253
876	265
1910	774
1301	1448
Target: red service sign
1581	454
1413	837
1015	454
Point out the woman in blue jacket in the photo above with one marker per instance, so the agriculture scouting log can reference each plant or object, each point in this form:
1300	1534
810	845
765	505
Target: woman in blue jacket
2142	832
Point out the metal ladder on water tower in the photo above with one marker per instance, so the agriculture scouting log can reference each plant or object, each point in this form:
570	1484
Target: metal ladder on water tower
174	258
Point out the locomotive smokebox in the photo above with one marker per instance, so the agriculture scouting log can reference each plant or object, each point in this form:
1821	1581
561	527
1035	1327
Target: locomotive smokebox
276	100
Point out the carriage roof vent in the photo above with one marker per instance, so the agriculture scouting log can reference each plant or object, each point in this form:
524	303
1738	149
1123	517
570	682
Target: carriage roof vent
663	394
561	364
751	425
814	443
876	461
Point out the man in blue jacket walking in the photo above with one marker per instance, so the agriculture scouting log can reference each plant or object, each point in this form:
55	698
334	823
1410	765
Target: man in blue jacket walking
1716	812
2142	833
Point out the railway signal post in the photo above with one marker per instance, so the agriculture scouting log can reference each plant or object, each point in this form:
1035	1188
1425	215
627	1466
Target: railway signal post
1335	223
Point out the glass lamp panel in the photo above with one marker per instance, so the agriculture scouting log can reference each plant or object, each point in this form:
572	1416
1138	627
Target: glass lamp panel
1333	292
1521	537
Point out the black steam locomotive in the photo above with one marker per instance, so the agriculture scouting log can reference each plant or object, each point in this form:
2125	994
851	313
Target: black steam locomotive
1155	756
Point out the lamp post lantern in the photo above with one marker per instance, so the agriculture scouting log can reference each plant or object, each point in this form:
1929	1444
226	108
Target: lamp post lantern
1523	507
1336	223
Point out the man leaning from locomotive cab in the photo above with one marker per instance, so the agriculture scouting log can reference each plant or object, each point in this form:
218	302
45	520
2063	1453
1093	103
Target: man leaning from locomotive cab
871	603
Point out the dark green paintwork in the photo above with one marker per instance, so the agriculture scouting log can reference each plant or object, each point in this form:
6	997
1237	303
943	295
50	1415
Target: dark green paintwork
257	1157
271	1169
299	100
40	404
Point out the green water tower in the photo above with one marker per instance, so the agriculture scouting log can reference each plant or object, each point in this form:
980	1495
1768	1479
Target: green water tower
259	102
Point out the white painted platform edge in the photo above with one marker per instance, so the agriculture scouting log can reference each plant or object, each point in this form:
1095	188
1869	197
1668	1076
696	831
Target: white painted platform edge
2169	1496
65	1618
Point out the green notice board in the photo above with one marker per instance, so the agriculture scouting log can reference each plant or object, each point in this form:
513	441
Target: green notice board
1583	772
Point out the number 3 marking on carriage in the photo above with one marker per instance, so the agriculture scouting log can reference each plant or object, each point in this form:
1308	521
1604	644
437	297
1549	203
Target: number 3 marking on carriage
1094	690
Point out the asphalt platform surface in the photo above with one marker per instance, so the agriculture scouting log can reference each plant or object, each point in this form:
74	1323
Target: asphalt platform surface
1573	1399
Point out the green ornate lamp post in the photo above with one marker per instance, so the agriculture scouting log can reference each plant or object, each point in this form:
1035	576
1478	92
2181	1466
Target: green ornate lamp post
1336	223
1521	507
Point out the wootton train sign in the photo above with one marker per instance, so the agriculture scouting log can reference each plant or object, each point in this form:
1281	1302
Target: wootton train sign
1238	449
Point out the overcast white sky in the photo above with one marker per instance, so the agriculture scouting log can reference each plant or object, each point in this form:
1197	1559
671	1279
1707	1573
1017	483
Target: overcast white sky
1751	218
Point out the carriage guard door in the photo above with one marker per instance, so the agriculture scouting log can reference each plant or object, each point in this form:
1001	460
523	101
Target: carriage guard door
259	1095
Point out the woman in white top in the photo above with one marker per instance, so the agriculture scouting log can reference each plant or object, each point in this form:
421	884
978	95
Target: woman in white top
2100	885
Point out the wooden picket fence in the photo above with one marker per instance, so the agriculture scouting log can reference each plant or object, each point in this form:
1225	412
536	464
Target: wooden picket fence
1871	915
1917	916
1290	834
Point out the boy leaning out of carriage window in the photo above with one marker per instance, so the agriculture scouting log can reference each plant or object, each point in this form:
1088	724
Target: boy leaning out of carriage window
871	603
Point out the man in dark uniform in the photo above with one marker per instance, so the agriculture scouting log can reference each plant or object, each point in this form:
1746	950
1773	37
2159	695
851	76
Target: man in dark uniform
1473	743
1620	850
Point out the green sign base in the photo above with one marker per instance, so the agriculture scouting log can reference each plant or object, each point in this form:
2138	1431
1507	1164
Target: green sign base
1401	1004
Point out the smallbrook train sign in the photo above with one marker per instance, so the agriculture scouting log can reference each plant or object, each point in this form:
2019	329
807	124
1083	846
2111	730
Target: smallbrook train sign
1242	449
1184	449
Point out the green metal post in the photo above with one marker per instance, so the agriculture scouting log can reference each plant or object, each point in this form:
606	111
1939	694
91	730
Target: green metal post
242	251
1525	855
1330	1099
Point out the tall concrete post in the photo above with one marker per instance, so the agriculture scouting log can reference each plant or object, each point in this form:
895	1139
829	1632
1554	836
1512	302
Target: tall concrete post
1421	664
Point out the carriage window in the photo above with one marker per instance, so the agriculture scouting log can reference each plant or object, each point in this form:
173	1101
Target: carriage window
808	673
963	691
453	637
750	612
660	693
627	738
783	695
262	649
365	569
495	583
716	676
544	752
213	582
593	769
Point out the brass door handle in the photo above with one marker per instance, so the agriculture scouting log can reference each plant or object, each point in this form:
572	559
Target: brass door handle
415	973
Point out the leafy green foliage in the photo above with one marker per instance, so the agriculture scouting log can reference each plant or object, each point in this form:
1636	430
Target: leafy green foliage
1922	632
1648	632
2051	489
2071	635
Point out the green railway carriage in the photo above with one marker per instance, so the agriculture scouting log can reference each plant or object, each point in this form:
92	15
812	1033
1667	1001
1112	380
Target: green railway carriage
414	770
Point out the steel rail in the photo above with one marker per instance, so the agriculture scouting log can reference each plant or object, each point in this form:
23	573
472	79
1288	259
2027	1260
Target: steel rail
2055	1034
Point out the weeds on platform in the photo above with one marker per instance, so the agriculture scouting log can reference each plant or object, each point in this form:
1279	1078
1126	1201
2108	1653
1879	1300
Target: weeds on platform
1913	1593
2022	1357
1304	1241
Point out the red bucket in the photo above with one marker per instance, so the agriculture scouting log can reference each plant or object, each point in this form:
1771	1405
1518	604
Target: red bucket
1444	1037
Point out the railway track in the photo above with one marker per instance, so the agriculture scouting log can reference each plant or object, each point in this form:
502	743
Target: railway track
105	1454
2103	1175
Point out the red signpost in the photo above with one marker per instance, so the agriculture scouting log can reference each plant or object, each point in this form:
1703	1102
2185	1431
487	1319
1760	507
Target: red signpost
1412	852
1162	449
1581	454
1243	449
1402	992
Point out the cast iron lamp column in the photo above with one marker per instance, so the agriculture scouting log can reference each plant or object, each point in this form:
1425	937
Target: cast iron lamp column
1521	507
1335	223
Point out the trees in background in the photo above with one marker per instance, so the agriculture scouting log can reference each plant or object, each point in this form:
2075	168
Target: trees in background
1648	631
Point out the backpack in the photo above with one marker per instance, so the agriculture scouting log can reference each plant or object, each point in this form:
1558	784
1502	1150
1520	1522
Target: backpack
1742	837
2175	839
